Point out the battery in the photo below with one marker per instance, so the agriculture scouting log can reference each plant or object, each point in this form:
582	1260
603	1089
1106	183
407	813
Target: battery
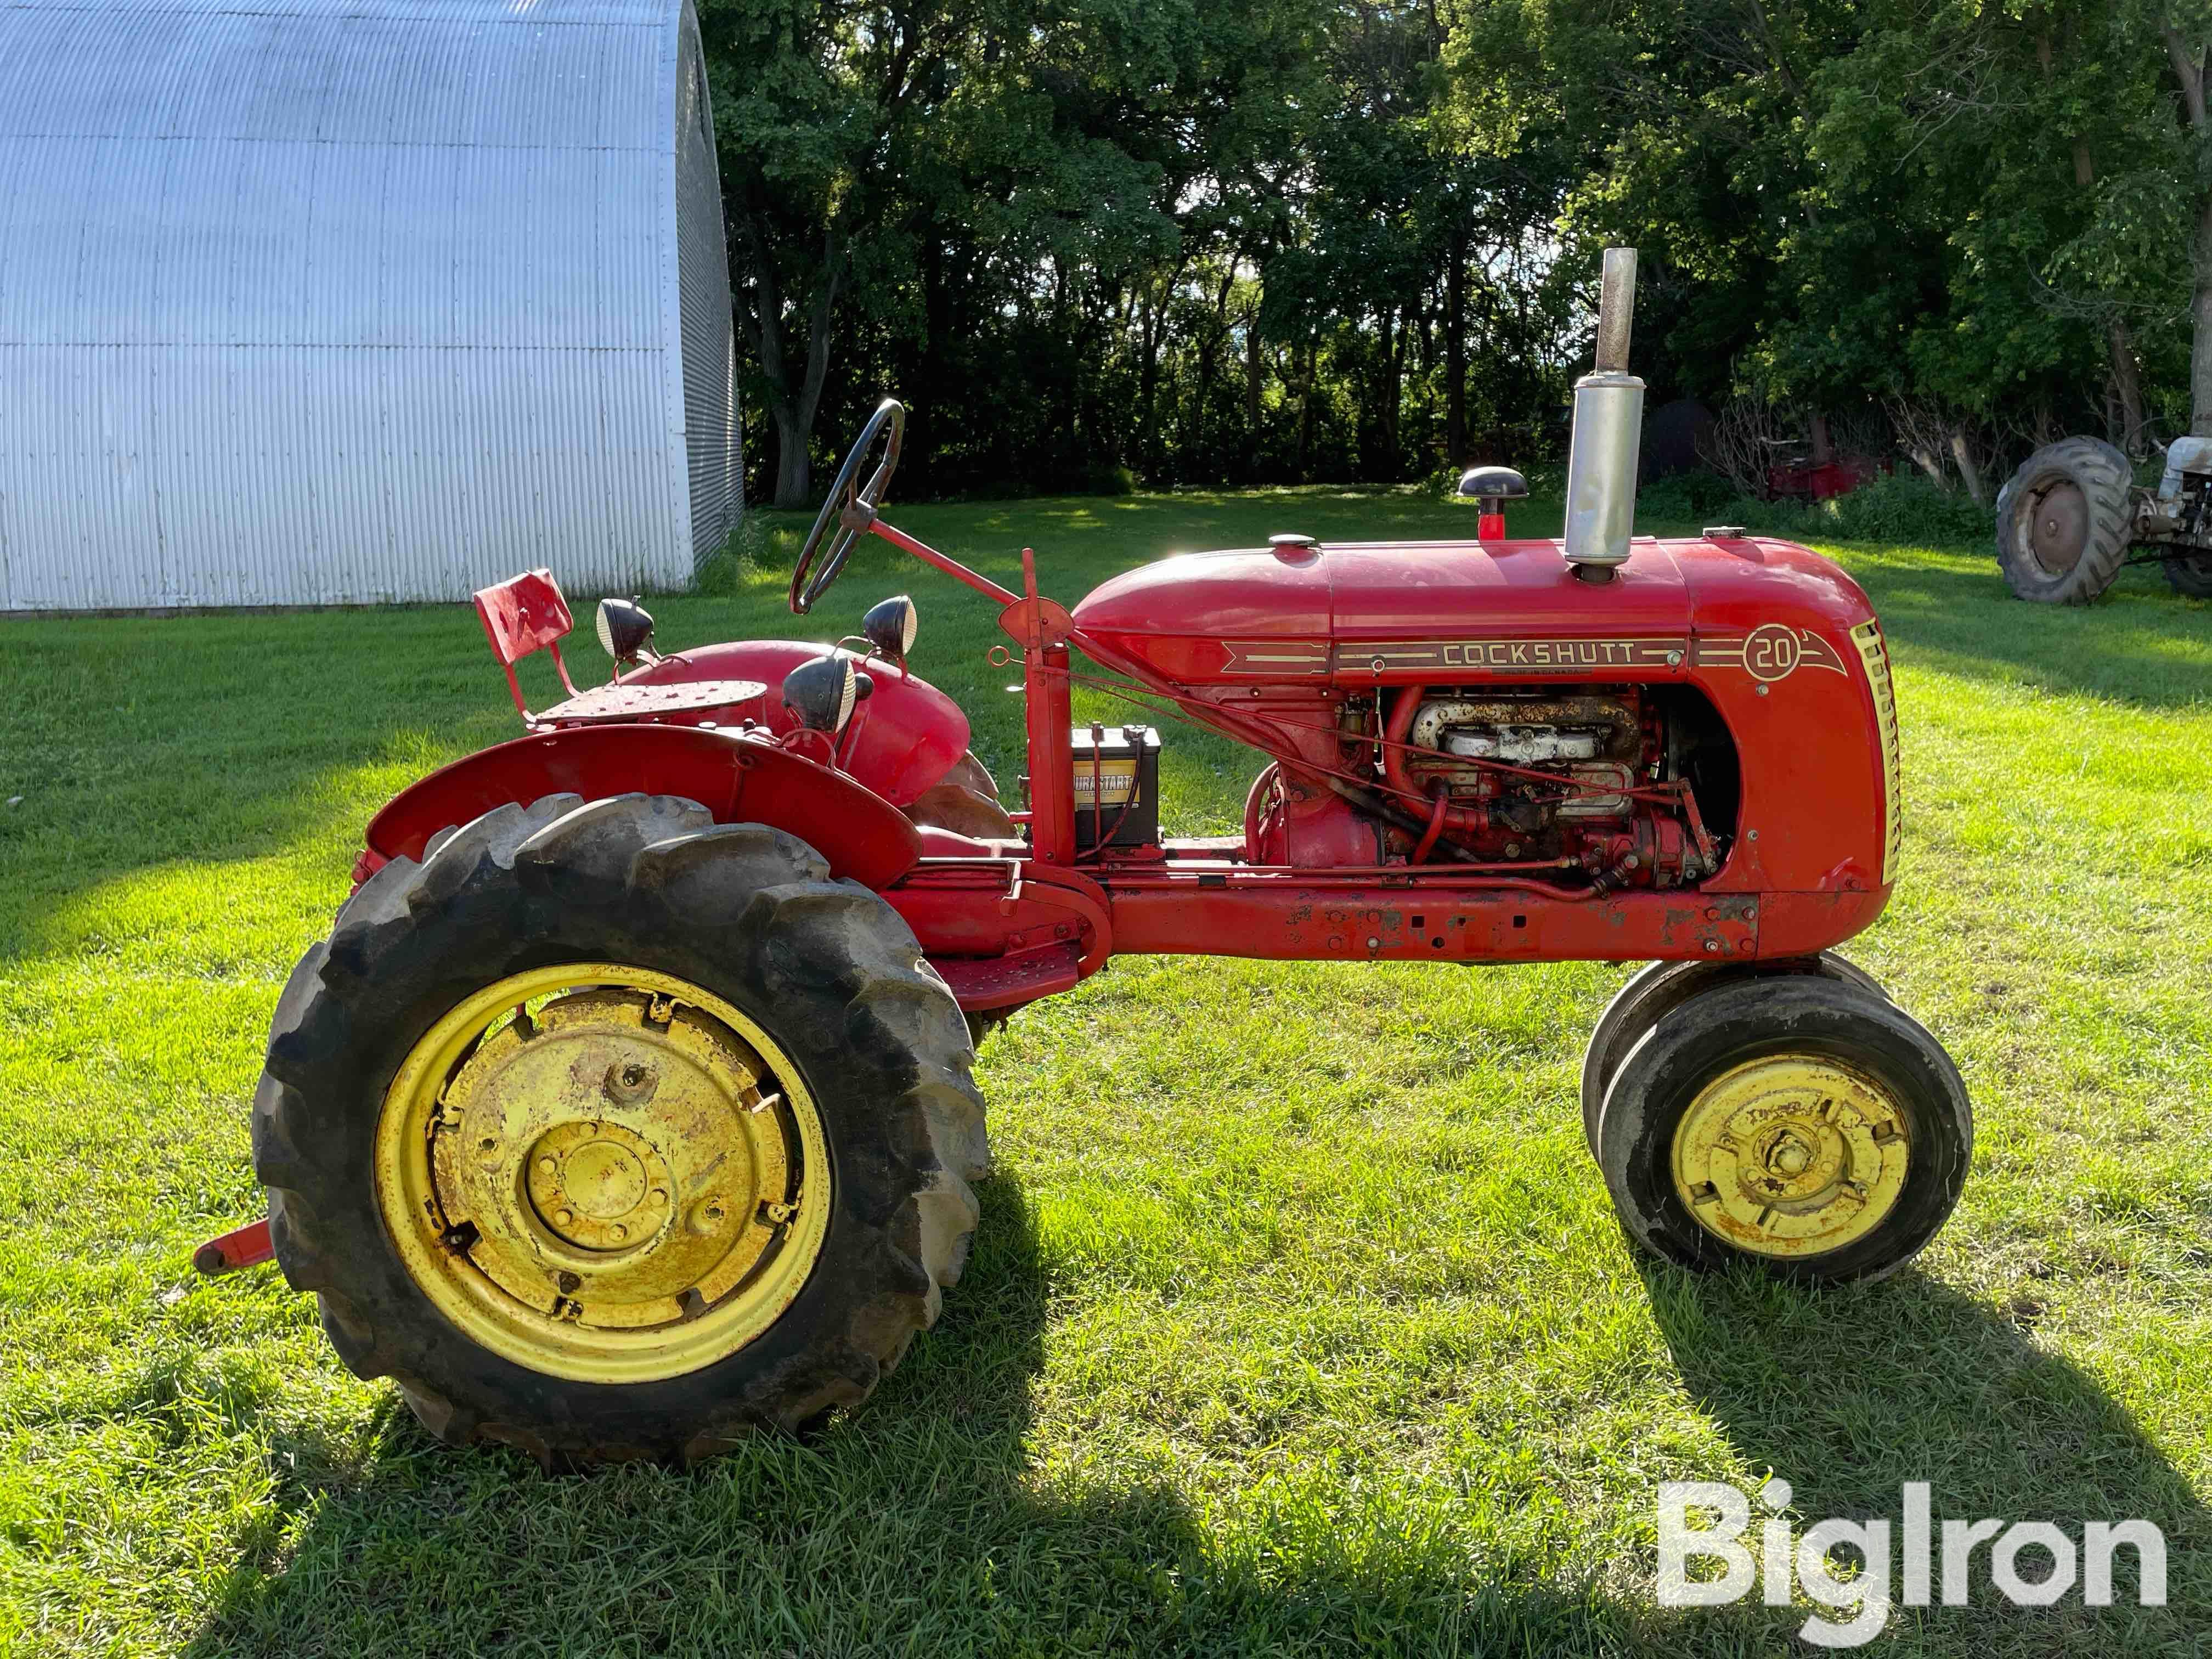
1117	786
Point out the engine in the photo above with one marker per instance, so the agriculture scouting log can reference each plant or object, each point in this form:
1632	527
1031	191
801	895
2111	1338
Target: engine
1594	744
1603	786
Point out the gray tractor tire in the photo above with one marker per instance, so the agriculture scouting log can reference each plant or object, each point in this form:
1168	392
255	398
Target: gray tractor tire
2064	522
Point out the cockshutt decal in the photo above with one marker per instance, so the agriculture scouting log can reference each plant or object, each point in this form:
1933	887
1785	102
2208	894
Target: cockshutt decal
1771	652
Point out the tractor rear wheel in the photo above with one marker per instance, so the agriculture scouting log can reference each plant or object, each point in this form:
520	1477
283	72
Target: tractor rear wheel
1798	1122
2191	575
1658	988
608	1131
2064	522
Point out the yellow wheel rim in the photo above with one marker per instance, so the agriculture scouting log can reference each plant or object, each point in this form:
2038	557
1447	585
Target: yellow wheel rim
1793	1155
604	1173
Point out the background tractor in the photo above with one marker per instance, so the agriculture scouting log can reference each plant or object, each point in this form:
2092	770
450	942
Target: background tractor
2073	515
630	1104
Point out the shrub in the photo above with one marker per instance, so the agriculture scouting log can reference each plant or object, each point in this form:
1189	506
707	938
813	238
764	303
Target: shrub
1704	497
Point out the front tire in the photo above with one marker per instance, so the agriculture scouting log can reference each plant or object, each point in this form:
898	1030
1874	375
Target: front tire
2190	575
708	1175
1797	1123
2064	522
1658	988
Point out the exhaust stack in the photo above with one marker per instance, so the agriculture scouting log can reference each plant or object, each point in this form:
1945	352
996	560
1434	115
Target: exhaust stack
1609	431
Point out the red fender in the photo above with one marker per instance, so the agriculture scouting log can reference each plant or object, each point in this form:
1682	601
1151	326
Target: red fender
902	740
740	780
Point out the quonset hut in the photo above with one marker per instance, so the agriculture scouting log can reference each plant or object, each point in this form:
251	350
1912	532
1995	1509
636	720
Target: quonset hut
328	302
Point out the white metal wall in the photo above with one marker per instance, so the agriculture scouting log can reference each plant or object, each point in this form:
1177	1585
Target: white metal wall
341	300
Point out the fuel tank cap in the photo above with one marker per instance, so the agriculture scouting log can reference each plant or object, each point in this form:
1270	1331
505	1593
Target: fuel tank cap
1291	546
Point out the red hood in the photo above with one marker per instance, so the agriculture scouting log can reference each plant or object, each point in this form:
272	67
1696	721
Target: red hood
1338	609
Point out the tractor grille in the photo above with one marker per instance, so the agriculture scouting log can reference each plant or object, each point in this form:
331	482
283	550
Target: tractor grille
1867	637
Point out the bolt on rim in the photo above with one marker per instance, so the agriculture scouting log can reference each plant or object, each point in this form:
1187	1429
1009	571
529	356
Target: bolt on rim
1791	1155
604	1173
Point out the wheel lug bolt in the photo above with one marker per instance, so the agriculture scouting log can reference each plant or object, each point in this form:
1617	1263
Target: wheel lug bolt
564	1217
546	1166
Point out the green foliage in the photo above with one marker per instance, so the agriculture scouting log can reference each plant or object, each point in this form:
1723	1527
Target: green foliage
1280	240
1903	508
1682	496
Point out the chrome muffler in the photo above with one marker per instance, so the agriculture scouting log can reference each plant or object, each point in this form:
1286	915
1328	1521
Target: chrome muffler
1608	432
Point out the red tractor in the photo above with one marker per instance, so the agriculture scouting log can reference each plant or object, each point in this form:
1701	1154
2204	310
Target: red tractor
628	1106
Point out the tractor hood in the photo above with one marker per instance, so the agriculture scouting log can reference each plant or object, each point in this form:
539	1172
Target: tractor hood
1400	611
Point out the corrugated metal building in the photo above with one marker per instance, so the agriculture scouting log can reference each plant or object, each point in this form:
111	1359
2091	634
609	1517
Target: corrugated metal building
323	302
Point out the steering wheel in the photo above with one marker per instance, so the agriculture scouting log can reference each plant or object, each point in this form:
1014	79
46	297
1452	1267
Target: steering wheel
851	506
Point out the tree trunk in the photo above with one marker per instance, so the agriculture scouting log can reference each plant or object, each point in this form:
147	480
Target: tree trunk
1255	384
1962	452
2127	376
2200	318
1823	446
1393	382
2127	386
1307	368
1456	352
793	474
792	408
2188	70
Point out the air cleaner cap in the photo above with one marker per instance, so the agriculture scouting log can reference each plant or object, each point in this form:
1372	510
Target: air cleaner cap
1291	546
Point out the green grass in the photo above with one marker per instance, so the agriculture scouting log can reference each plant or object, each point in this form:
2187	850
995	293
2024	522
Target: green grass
1298	1321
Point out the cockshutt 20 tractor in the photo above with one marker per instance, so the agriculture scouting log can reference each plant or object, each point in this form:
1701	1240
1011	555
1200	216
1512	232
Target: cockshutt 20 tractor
630	1107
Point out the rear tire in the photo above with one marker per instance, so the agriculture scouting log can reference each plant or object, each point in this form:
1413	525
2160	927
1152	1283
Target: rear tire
1795	1123
832	985
2062	522
1658	988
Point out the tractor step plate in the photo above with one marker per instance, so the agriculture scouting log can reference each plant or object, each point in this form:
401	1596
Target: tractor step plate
1007	982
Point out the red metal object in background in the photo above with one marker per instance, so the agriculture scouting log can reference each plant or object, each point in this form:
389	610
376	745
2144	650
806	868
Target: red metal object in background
1822	483
242	1247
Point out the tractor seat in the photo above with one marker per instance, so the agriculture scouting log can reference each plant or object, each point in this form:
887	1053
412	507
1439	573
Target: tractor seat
619	701
529	613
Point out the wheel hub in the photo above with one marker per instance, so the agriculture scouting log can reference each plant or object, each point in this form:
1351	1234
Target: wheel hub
598	1185
1791	1155
2058	528
604	1173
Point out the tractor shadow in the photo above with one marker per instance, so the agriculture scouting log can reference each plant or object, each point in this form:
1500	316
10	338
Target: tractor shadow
1848	1392
923	1523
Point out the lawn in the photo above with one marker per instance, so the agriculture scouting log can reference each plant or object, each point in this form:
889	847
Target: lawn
1298	1321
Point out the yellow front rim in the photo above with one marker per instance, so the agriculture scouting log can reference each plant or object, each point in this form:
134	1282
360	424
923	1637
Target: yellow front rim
604	1173
1792	1155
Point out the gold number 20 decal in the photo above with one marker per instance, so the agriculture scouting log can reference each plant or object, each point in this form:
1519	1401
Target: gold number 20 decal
1772	651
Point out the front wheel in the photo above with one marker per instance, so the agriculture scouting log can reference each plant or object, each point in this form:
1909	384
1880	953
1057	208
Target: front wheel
2190	575
609	1131
1798	1123
1660	987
